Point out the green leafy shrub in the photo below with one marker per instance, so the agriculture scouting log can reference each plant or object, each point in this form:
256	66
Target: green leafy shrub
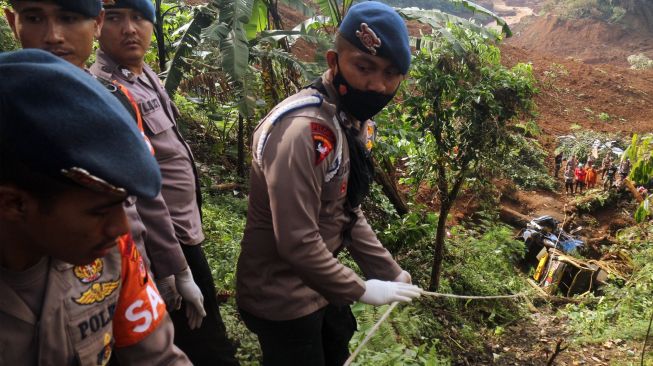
622	311
524	163
223	222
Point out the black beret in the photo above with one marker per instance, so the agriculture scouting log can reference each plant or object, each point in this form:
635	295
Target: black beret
58	120
89	8
144	6
376	28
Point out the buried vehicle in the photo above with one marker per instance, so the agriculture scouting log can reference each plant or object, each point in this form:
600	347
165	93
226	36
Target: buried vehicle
555	255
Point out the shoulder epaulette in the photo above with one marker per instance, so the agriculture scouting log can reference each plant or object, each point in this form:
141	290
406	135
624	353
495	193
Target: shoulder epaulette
276	115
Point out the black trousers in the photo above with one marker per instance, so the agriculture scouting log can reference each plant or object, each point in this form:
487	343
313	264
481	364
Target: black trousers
317	339
207	345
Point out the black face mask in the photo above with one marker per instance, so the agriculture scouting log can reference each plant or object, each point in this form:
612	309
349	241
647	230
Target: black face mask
361	104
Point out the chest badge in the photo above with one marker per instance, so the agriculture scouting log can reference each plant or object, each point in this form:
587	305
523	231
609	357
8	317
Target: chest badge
323	141
90	272
98	292
105	354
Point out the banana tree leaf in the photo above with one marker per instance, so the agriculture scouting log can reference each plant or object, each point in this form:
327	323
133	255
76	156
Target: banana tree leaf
329	8
300	5
258	22
279	55
481	10
438	21
188	41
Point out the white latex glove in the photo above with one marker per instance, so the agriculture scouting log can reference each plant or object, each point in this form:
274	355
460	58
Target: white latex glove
192	296
386	292
168	291
404	277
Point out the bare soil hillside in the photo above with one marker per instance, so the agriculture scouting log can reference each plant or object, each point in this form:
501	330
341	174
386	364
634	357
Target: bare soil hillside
589	40
574	92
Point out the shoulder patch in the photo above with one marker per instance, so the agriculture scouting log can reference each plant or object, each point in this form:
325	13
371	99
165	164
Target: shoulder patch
323	141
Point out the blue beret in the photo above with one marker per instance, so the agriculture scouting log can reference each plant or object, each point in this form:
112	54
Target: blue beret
144	6
378	29
60	121
89	8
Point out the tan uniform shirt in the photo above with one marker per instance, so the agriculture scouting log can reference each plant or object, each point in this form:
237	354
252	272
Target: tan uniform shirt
296	219
176	217
86	312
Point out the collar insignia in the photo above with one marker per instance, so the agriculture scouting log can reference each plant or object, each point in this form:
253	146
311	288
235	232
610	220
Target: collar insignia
90	272
368	38
98	292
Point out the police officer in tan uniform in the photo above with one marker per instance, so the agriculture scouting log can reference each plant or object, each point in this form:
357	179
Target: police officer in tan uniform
67	28
74	287
310	170
124	40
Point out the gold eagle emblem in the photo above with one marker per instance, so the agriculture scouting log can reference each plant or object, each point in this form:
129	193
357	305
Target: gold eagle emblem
97	292
89	272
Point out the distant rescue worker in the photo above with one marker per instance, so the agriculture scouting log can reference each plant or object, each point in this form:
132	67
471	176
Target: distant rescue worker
590	160
608	179
310	171
124	40
590	177
74	287
579	174
558	164
572	162
624	168
605	164
67	28
569	179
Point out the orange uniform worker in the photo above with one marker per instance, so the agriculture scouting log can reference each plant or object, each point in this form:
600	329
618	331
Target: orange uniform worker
590	177
74	286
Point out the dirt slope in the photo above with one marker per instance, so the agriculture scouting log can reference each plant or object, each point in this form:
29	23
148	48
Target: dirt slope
573	92
590	40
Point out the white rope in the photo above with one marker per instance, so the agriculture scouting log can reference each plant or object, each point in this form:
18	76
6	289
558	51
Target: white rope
371	333
386	314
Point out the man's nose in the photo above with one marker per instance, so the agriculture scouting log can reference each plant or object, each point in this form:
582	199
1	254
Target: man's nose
376	84
54	33
117	224
129	27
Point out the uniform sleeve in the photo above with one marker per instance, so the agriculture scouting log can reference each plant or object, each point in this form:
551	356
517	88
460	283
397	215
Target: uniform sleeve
155	349
294	182
374	260
163	248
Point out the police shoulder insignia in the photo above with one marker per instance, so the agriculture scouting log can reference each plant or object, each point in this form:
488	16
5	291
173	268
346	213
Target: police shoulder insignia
323	141
89	272
98	292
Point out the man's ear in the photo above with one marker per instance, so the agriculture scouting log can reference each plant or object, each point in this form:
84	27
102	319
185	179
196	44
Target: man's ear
11	20
15	203
332	60
99	21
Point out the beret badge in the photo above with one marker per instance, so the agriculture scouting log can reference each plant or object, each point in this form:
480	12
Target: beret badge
368	38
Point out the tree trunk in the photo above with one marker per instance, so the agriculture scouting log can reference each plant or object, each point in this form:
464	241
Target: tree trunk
240	169
389	187
438	252
160	37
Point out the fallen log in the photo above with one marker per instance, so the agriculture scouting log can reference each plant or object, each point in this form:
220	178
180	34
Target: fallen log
513	218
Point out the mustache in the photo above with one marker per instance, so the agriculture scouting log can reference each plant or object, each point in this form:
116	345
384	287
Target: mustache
130	41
